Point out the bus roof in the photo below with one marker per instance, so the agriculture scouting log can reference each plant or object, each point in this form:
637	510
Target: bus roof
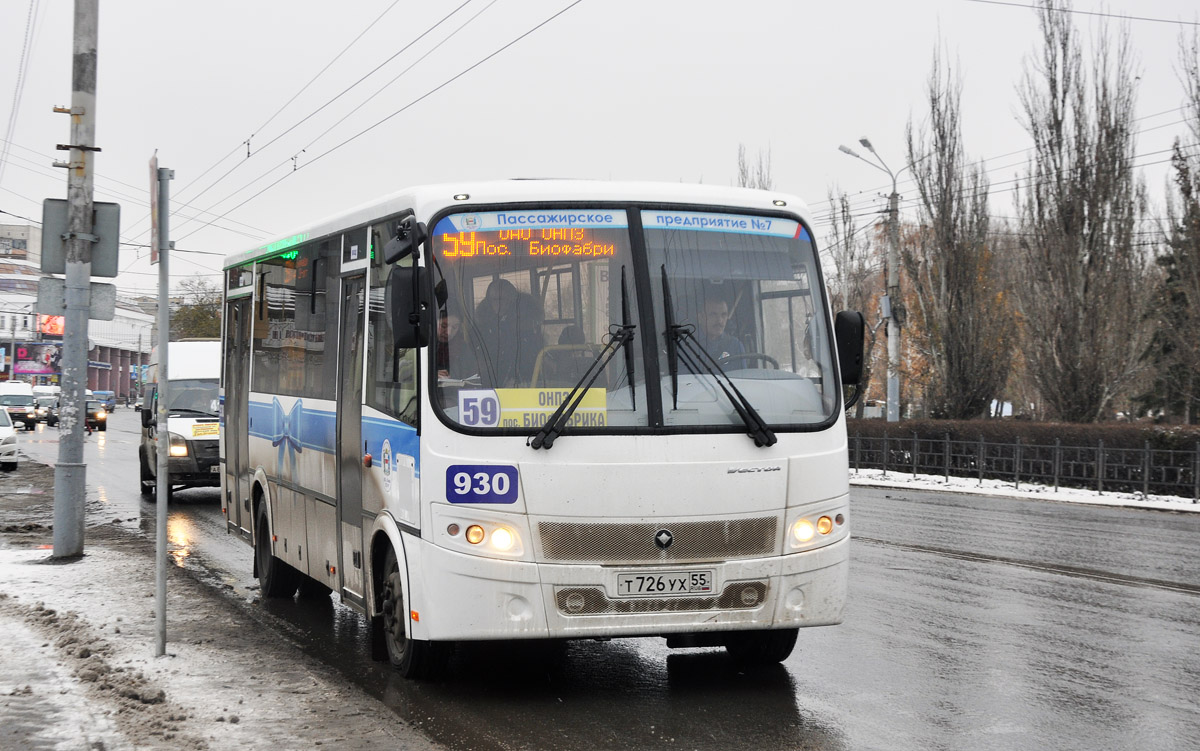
428	199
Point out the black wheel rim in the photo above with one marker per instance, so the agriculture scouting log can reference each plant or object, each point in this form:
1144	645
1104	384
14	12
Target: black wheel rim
393	615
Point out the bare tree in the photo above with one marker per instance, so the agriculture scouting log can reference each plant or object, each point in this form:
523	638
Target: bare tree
1174	354
1085	290
856	280
757	175
961	303
198	315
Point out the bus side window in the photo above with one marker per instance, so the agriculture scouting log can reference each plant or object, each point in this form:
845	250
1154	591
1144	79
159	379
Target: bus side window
391	372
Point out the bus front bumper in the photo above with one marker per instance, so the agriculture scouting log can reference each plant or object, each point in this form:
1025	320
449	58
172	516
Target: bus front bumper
476	598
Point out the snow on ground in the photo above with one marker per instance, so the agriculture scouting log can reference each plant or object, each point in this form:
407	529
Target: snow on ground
1001	488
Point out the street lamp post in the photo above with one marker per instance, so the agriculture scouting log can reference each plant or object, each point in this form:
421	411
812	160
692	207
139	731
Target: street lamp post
891	301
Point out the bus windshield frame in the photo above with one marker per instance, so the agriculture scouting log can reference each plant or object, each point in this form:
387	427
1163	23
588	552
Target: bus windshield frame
770	279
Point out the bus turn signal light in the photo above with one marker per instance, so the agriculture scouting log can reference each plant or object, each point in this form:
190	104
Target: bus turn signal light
824	525
474	534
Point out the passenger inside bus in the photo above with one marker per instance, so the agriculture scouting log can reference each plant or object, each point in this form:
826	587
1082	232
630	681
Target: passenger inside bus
453	356
508	324
562	366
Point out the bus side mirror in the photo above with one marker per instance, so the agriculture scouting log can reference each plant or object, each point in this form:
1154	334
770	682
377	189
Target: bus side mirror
848	331
412	316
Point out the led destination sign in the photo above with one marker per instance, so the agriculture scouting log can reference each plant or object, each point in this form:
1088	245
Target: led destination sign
547	234
568	242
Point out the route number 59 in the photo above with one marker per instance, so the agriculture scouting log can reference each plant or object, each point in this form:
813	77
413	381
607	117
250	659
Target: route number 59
479	408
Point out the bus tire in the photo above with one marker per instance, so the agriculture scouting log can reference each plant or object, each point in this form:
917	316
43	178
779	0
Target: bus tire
412	658
761	647
275	577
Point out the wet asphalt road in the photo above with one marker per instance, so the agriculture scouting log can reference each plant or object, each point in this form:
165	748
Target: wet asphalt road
973	623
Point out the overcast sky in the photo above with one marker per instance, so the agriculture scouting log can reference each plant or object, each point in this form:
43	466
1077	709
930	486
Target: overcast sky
609	89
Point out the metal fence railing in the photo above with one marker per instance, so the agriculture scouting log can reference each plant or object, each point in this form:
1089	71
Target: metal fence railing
1145	470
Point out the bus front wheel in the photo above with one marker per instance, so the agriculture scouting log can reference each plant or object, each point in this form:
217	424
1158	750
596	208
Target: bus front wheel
413	658
761	647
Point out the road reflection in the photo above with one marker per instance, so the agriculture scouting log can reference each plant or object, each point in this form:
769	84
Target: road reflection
179	538
586	695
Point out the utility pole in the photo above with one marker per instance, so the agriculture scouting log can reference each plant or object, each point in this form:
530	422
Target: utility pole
893	298
70	472
892	307
160	252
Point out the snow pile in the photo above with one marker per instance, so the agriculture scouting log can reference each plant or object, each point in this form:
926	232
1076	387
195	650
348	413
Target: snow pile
1000	488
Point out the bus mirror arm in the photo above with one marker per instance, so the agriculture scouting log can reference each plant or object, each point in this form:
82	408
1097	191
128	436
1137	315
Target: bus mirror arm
409	234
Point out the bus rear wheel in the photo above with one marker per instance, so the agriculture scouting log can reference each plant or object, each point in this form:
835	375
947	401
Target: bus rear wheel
413	658
761	647
275	578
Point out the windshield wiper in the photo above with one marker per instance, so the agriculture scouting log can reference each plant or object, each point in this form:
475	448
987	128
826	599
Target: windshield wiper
622	338
628	345
681	343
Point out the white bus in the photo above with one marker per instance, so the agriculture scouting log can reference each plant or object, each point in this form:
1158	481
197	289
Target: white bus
545	410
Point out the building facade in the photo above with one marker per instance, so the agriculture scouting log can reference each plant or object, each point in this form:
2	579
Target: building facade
32	343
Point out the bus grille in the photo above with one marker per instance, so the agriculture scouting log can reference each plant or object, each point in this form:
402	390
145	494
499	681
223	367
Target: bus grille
634	543
593	601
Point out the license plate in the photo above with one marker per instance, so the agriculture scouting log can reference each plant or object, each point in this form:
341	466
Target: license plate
215	469
665	583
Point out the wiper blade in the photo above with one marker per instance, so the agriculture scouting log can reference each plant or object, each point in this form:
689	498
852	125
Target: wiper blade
672	351
628	345
553	428
680	343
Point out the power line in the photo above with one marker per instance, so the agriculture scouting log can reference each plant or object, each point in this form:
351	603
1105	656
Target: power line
421	98
860	202
135	198
19	86
1085	12
343	92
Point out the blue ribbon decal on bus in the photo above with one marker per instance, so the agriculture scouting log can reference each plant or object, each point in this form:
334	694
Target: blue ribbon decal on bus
481	483
286	433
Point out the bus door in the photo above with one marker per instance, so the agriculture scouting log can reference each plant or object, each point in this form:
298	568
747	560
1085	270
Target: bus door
237	389
349	438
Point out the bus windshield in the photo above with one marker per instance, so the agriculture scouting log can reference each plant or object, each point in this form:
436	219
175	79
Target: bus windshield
746	302
527	301
532	298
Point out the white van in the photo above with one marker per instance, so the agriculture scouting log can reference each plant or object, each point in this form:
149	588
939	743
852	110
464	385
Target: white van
16	397
193	417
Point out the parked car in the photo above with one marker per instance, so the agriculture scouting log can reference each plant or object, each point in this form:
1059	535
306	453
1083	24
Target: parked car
96	416
47	410
8	443
21	409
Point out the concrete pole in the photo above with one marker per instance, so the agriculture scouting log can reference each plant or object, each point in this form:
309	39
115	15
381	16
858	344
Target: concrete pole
163	442
70	472
893	291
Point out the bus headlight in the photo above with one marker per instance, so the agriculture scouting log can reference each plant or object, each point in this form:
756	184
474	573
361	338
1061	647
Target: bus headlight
485	534
502	539
178	445
817	528
803	530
